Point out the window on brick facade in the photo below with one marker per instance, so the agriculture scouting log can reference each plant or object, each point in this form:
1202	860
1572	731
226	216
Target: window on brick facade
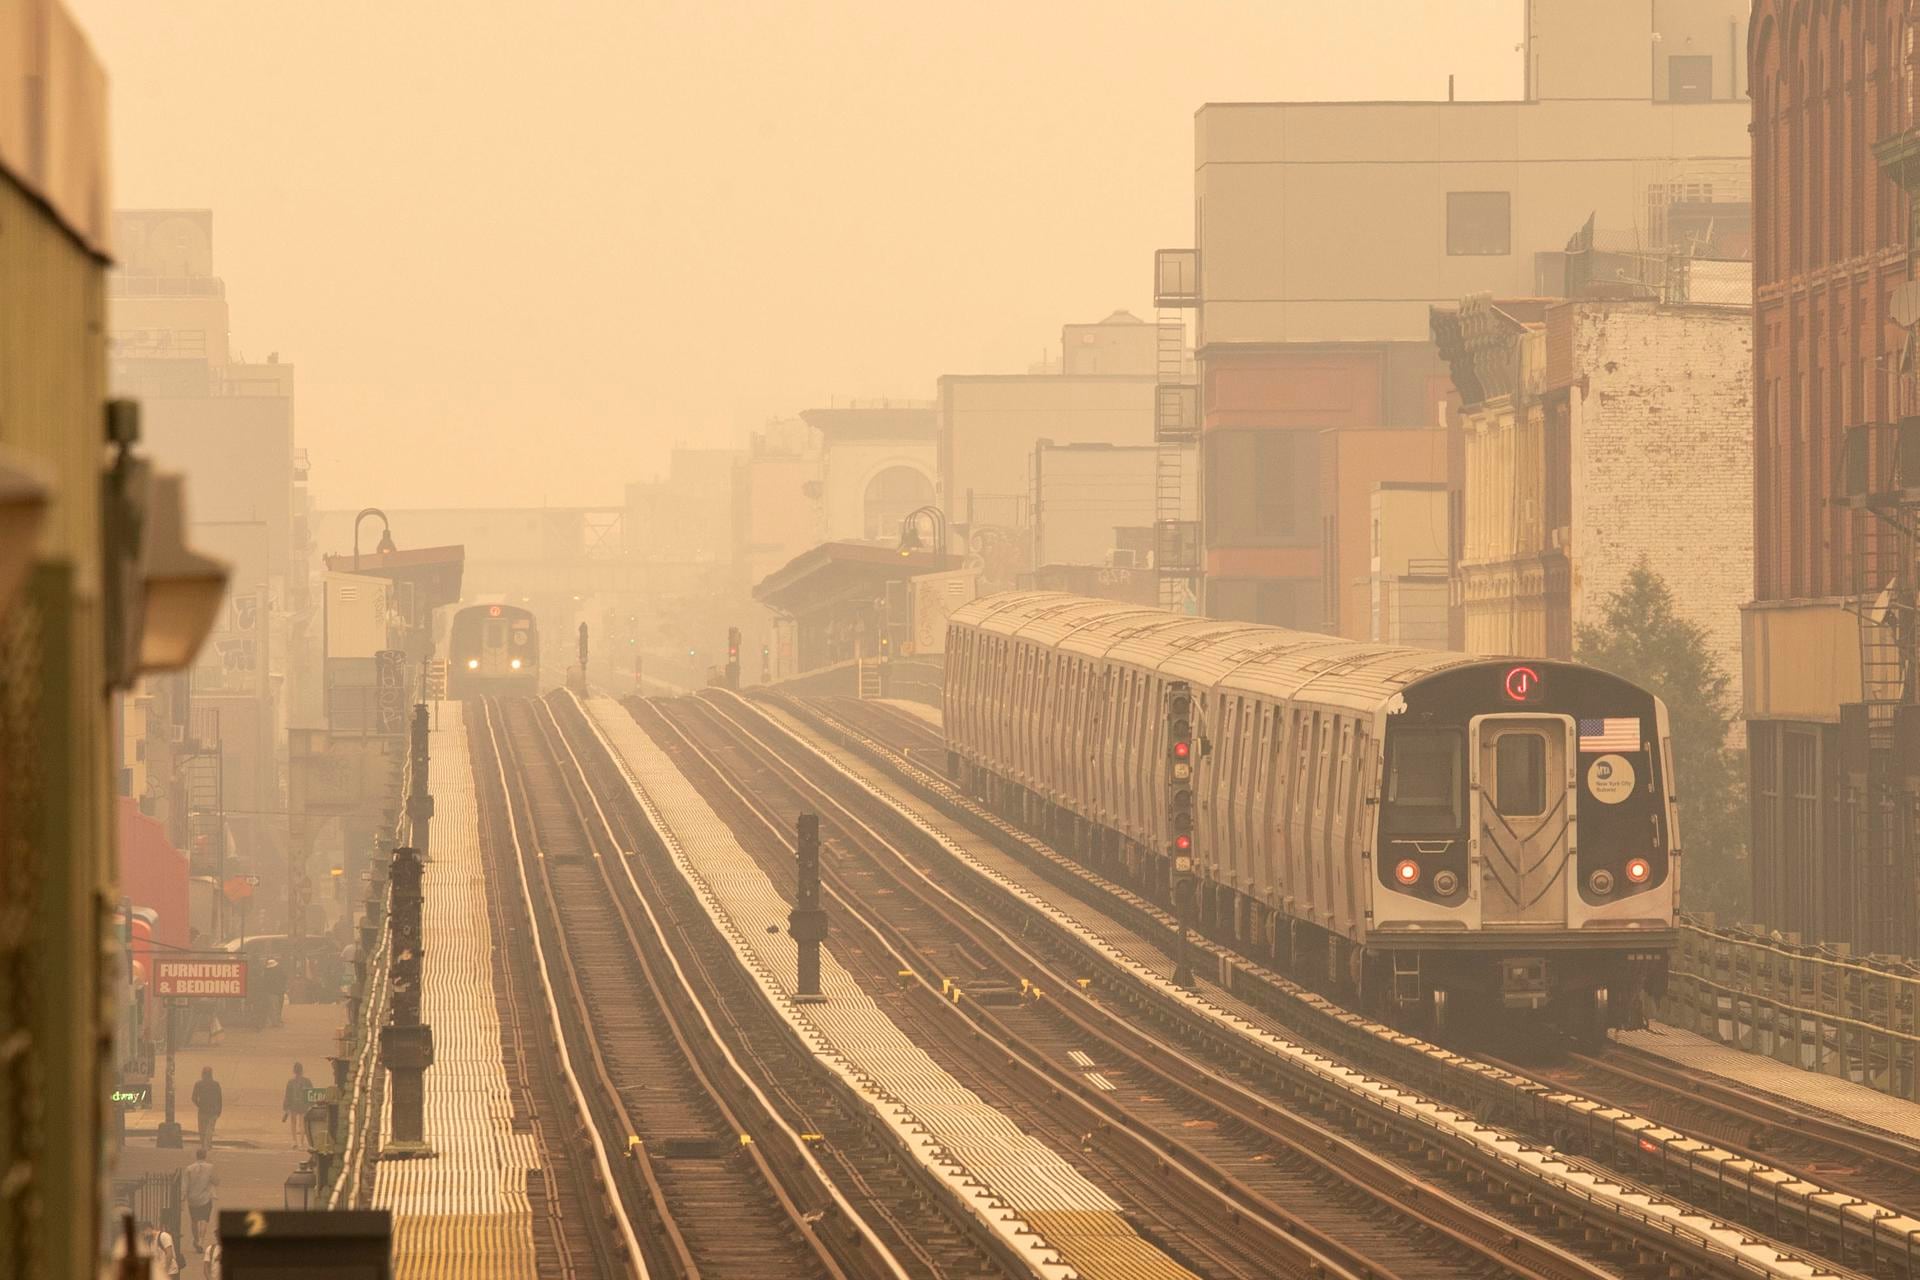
1263	487
1479	223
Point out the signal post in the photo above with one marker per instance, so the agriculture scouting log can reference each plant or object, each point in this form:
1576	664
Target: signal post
1180	757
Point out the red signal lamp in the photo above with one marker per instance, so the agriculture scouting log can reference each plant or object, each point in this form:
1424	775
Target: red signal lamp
1638	869
1183	843
1182	750
1408	872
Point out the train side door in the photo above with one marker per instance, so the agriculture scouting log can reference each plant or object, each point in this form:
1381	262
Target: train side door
1523	799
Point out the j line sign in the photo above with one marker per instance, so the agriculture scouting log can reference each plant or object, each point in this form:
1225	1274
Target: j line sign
186	976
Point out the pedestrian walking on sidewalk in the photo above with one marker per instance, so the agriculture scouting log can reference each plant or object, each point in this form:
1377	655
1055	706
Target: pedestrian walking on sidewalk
197	1183
207	1101
294	1105
158	1244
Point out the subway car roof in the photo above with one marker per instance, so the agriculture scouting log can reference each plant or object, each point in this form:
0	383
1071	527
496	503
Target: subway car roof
1211	652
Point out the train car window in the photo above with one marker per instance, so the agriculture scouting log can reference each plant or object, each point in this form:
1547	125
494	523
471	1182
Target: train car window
1424	781
1520	774
495	628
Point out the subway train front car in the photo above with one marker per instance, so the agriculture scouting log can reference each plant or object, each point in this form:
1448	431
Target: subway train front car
1454	844
493	649
1525	857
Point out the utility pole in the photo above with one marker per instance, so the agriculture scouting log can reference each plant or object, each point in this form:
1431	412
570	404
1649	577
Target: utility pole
1180	821
169	1135
807	922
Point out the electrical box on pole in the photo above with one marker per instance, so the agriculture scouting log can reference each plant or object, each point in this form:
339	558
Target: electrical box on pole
807	922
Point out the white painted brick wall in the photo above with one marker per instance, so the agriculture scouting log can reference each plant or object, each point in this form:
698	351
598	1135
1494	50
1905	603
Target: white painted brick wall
1663	461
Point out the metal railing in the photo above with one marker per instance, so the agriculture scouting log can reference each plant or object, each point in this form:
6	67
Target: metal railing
1813	1007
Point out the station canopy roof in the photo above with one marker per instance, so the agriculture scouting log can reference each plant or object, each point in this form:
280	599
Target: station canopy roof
433	572
833	572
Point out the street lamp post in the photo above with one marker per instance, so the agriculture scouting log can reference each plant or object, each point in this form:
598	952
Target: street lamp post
386	534
910	529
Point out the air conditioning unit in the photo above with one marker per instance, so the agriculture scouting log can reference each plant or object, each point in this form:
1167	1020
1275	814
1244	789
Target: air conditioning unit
1125	558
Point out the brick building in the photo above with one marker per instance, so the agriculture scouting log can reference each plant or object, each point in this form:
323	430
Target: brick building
1594	434
1832	101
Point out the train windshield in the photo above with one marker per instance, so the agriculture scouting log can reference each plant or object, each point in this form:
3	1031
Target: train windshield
1424	774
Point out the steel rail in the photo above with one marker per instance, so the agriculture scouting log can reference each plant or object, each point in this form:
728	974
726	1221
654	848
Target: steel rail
776	1182
1358	1169
632	1241
1383	1049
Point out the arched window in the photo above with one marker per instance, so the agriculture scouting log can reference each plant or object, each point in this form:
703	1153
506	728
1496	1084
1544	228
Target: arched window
890	495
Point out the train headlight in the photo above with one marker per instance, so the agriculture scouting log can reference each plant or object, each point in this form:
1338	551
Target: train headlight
1601	882
1638	869
1445	882
1407	873
473	664
516	664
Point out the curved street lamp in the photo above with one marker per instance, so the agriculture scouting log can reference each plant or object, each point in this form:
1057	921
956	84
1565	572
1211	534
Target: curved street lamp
910	530
386	534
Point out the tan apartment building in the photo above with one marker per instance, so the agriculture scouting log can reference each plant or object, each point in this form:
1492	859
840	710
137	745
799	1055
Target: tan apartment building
1326	230
1354	467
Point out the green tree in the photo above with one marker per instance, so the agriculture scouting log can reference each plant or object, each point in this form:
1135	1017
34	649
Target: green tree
1641	638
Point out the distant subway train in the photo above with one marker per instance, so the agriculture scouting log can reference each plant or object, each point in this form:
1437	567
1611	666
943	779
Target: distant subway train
492	649
1447	839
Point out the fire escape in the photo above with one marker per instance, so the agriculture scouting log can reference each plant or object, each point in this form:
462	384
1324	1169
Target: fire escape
1880	733
1176	431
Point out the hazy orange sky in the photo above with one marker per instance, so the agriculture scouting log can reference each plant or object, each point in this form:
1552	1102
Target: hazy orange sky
518	251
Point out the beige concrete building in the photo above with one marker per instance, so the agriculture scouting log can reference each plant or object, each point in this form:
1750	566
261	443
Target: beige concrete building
1407	581
1101	391
1325	230
876	463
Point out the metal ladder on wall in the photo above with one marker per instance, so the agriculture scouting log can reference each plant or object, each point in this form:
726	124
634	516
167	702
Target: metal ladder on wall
1170	360
869	676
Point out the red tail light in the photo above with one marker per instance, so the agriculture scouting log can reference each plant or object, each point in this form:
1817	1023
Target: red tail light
1638	869
1408	872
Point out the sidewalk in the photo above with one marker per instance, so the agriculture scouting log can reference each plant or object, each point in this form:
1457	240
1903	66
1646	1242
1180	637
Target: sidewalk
252	1150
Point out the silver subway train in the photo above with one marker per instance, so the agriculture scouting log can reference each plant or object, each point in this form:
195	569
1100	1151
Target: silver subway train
1446	840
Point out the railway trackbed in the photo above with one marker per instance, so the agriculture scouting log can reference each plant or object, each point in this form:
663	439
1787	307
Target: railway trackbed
1874	1166
1631	1162
708	1171
1226	1182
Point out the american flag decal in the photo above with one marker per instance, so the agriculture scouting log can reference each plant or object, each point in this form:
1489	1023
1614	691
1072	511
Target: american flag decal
1615	733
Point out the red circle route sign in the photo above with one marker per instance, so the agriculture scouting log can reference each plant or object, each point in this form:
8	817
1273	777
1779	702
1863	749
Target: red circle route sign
238	888
1521	682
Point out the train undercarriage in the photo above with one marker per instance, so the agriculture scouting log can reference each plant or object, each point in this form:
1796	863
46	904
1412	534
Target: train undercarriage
1476	990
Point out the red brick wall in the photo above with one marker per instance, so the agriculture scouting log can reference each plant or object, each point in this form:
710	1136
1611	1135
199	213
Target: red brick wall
1830	246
